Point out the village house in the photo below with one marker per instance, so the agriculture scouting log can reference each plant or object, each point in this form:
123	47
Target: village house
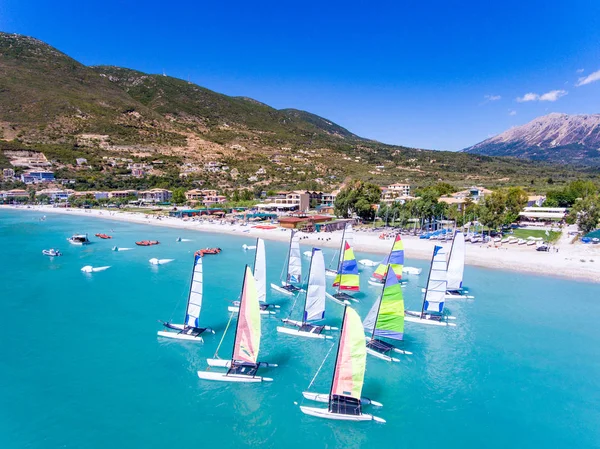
33	177
155	195
120	194
56	194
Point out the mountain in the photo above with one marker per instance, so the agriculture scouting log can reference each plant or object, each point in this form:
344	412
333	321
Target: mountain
561	138
114	117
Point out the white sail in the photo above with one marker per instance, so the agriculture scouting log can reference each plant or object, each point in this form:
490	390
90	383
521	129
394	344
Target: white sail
456	264
260	270
436	286
195	298
314	308
369	321
295	262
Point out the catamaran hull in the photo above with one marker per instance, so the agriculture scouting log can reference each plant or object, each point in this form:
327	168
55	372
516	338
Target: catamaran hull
419	320
344	302
262	312
324	397
381	356
282	290
227	363
180	336
222	377
453	296
324	413
299	323
299	333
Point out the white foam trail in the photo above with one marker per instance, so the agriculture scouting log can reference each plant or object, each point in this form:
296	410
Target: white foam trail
186	240
90	269
155	261
248	247
116	248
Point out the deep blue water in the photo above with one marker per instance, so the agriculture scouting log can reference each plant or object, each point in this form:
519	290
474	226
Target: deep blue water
81	366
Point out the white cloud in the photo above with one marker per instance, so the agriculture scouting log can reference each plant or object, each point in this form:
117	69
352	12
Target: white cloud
492	97
528	97
553	95
580	70
512	112
592	77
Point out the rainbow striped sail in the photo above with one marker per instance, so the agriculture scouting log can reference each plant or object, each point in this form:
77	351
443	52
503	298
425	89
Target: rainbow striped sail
386	317
247	335
347	277
349	375
395	260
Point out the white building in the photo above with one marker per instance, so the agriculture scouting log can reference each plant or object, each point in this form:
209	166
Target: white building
155	195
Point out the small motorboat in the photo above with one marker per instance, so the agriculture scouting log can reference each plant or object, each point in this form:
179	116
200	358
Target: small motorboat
79	239
202	252
521	242
51	252
104	236
147	242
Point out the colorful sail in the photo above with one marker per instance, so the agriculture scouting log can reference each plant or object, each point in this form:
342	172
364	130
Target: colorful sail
456	262
347	277
349	374
348	237
435	294
386	317
295	262
192	313
314	308
395	259
260	270
247	336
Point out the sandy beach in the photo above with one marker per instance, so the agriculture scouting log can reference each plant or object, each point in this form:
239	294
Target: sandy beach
574	261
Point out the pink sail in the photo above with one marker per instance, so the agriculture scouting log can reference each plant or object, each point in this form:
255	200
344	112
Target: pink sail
247	337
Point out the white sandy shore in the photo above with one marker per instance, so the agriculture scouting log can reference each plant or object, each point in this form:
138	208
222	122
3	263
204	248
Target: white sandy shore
571	261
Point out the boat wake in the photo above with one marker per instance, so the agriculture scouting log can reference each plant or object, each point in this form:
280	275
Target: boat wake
116	248
155	261
90	269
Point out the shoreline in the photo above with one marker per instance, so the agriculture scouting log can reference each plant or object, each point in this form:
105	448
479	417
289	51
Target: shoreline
576	262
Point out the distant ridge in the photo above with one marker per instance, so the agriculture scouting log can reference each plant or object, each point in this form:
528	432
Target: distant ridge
562	138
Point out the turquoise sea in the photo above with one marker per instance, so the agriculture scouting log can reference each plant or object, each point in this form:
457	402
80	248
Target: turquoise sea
81	366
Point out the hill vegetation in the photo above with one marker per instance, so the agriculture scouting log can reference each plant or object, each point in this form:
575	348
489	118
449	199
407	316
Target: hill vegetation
49	102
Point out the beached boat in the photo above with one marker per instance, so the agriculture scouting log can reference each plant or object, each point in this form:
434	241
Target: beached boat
386	320
521	242
243	365
314	303
51	252
260	276
190	330
79	240
344	398
147	242
347	279
338	256
432	310
292	269
395	259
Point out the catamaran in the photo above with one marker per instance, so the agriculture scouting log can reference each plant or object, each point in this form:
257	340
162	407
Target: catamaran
314	303
293	269
347	278
395	259
455	268
190	330
338	257
386	319
432	311
260	276
345	401
243	365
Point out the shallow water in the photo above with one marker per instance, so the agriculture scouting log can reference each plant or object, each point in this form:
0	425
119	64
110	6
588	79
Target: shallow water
82	366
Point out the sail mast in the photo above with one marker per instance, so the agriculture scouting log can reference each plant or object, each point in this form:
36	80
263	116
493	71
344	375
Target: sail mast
287	262
380	301
306	295
237	324
337	355
255	255
451	248
427	285
340	257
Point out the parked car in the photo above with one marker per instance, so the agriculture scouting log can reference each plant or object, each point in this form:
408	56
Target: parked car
543	248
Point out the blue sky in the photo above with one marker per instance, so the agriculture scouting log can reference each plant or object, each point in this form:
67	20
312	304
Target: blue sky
428	74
